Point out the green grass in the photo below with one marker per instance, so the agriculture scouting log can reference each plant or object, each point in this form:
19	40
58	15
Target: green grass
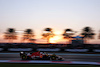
43	65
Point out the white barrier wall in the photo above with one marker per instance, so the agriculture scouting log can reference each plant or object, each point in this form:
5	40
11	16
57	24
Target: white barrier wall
48	49
96	50
76	50
1	49
20	49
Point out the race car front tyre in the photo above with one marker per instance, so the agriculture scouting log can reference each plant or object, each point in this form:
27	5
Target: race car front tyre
53	58
60	59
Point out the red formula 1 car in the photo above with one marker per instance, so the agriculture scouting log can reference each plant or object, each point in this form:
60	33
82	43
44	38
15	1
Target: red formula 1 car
39	56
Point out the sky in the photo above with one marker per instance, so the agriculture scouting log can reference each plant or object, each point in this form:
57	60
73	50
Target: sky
56	14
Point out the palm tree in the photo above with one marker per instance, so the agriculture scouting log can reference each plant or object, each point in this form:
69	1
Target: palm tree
87	33
47	33
68	34
10	34
99	35
28	35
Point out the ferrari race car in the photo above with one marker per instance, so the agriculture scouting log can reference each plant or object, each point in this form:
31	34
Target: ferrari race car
39	56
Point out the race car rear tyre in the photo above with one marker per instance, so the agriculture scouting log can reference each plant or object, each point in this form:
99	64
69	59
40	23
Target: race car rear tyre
28	58
24	57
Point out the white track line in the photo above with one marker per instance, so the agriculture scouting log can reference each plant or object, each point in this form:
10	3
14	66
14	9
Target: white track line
52	62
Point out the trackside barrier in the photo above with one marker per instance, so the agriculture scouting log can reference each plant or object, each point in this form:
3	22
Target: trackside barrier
48	49
52	62
1	49
96	50
77	50
20	49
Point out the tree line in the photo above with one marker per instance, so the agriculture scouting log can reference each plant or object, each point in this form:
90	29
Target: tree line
28	35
